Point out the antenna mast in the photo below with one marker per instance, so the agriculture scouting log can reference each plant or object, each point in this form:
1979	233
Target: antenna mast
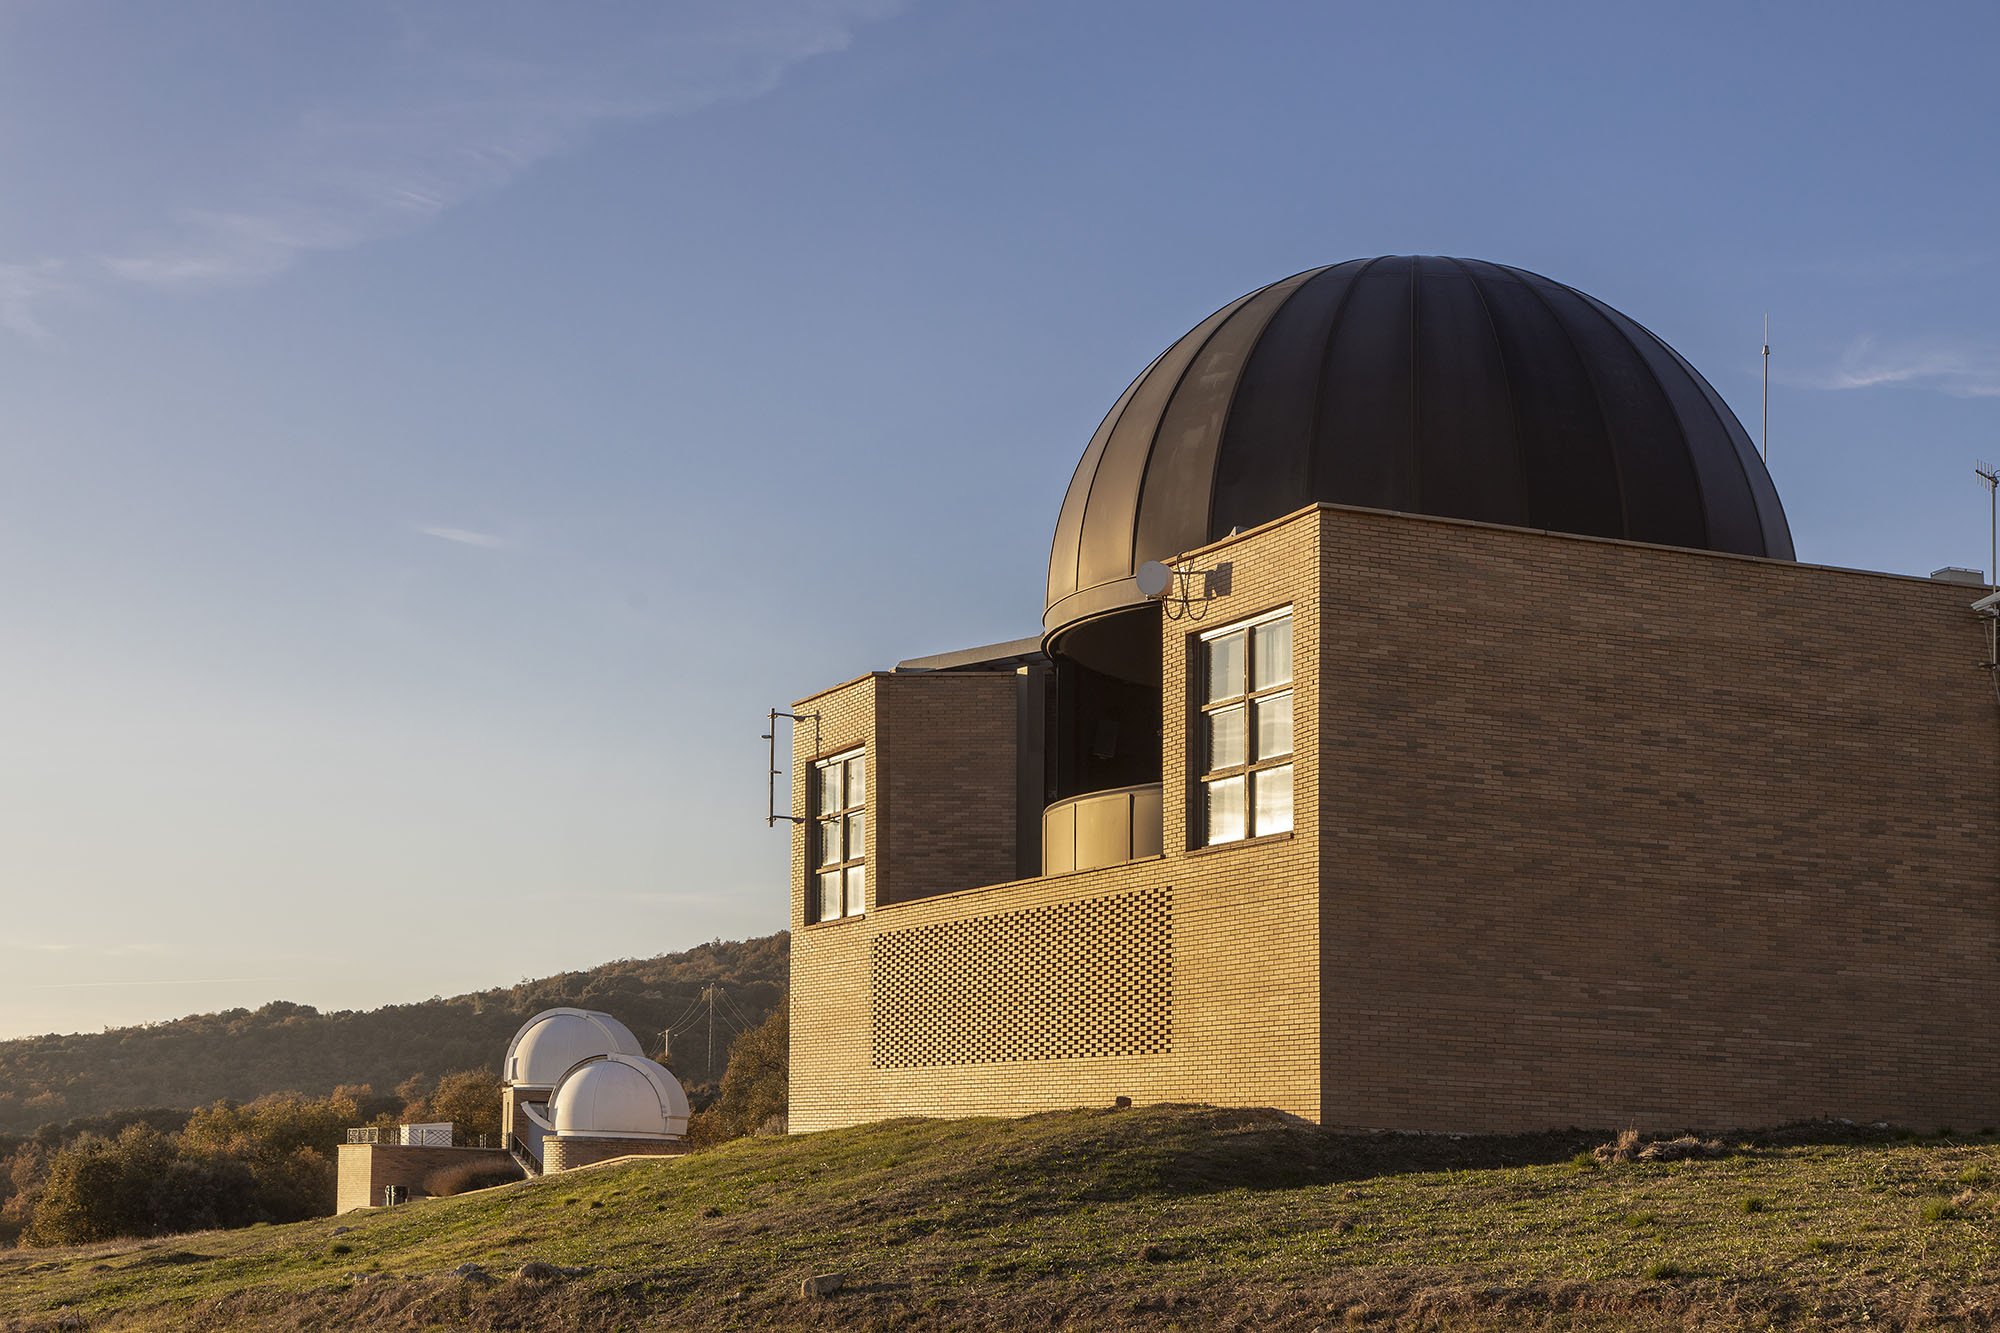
1767	388
771	777
1991	476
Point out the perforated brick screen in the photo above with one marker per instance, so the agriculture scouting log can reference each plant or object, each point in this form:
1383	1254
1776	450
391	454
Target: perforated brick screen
1064	982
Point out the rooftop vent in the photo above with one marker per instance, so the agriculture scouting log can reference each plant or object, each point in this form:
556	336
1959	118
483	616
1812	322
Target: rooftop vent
1954	574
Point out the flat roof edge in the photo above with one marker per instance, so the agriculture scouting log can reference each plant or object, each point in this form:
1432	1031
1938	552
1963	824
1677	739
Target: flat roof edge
1010	653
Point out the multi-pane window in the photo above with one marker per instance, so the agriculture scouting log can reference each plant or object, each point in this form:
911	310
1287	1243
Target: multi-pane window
1246	729
840	835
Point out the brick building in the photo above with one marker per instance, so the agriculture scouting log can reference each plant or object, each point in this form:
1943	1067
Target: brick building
1431	728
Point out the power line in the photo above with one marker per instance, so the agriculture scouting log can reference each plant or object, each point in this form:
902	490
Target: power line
713	1005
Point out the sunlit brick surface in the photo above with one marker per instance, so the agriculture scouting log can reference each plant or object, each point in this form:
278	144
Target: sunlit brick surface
1089	977
1588	833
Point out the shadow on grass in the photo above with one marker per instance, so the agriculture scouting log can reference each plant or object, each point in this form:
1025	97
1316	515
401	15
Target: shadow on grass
1105	1156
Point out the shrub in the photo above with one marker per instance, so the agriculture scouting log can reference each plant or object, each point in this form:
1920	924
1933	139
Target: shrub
1939	1210
1662	1270
466	1176
203	1193
1637	1220
83	1200
1976	1174
1750	1204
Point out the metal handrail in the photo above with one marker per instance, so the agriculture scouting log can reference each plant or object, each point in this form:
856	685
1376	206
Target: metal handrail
391	1136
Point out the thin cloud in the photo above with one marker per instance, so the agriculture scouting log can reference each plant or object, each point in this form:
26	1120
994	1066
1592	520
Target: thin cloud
459	106
126	950
1961	369
650	899
180	981
464	536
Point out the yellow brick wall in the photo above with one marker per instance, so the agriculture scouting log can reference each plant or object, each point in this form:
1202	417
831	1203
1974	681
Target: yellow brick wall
1618	834
354	1178
1244	946
1588	832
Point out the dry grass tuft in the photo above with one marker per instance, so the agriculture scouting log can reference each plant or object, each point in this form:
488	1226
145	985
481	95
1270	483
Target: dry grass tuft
1630	1146
1621	1149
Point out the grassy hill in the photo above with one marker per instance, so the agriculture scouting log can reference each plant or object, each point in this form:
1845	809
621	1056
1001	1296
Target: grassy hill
1159	1217
241	1054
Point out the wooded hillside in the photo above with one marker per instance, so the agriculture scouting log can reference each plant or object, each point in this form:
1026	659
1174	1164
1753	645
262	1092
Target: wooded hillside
240	1054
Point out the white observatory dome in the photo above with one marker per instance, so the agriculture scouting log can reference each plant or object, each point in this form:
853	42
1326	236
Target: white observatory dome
619	1097
553	1040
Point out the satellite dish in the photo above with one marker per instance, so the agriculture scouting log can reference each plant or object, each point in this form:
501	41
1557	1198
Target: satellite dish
1153	579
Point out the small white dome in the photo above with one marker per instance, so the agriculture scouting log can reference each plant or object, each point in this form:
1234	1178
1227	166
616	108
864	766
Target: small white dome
619	1097
553	1040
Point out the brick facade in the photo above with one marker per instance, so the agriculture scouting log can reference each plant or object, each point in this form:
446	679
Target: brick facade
926	786
1620	834
1241	945
1587	832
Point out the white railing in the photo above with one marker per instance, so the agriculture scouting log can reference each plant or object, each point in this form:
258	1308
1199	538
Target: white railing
412	1136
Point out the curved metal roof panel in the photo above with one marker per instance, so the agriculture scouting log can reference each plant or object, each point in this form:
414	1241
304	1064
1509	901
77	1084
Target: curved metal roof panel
1430	385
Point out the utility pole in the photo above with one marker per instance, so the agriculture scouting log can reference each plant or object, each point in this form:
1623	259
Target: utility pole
711	1031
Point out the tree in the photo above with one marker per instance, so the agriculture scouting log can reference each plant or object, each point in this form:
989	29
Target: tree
755	1087
203	1193
84	1198
415	1094
286	1142
470	1099
26	1173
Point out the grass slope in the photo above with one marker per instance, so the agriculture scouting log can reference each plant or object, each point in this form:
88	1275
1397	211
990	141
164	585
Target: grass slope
1159	1217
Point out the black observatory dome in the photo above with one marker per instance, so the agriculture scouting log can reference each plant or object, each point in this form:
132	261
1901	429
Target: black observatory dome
1422	384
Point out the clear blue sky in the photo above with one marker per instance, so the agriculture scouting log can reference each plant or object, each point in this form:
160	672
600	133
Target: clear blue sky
434	434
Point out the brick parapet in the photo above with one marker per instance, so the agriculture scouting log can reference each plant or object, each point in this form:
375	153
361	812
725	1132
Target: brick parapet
560	1154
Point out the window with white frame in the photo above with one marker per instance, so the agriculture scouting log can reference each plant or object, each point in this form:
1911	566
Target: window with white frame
1246	729
840	835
